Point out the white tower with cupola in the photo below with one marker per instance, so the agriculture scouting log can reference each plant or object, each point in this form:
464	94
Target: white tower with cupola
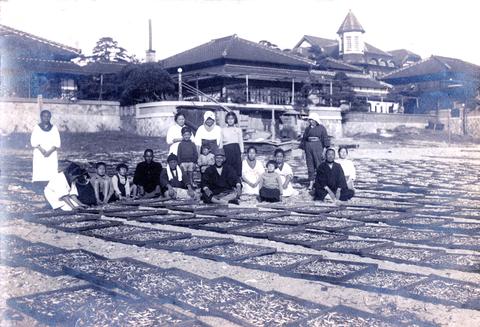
351	44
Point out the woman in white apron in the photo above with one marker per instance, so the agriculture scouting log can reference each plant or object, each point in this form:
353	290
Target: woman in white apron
45	140
252	169
285	172
209	133
348	167
61	192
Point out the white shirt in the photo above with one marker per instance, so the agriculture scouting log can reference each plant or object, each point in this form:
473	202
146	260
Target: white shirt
287	171
231	135
57	188
44	168
203	134
348	169
251	175
175	132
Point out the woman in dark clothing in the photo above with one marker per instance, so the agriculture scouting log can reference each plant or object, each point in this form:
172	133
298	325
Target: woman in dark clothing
232	139
314	142
86	192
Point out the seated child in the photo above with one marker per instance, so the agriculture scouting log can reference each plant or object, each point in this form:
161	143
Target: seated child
187	154
270	184
121	184
61	192
102	184
206	158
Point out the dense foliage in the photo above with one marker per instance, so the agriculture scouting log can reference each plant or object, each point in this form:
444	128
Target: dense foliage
135	83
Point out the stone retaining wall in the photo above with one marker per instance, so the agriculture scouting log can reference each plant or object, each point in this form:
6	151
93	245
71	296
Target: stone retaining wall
20	115
456	125
368	122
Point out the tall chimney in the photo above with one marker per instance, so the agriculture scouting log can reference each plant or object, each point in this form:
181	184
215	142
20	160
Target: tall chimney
150	35
150	53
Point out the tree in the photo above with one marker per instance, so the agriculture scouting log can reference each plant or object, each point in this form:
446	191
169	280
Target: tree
269	44
342	90
144	83
316	53
89	87
108	50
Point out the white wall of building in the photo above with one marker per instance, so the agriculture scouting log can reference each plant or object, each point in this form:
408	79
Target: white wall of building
383	107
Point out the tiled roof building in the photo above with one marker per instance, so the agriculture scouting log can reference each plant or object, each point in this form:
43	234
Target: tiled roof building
32	65
404	57
436	82
351	48
226	67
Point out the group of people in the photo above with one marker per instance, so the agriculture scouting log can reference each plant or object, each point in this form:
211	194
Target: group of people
215	153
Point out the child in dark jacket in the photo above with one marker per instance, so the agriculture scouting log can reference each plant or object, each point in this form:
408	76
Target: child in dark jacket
187	154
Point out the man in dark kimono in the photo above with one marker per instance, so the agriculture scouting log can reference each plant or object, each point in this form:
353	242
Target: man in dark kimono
147	176
220	182
331	180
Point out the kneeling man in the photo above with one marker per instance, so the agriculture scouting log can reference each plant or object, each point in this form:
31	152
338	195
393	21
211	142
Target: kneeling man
331	180
174	181
220	182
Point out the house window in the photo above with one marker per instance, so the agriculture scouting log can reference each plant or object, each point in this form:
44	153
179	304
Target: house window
68	85
348	45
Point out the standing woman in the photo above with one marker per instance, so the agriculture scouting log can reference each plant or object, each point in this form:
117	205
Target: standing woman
314	142
252	170
45	140
174	133
209	133
232	138
285	172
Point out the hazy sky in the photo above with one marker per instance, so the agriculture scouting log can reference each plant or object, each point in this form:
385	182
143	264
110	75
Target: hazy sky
448	28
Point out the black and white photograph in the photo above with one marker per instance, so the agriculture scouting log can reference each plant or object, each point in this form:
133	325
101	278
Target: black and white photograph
239	163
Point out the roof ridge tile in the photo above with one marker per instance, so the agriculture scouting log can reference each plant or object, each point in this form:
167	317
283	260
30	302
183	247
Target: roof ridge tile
40	39
279	52
406	67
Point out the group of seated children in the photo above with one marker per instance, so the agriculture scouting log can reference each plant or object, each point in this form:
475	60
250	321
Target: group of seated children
74	188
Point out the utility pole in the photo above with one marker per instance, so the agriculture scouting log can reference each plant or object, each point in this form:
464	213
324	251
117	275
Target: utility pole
180	96
246	88
150	53
101	88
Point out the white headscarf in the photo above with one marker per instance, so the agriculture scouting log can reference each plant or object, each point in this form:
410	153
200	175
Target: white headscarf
315	117
211	115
